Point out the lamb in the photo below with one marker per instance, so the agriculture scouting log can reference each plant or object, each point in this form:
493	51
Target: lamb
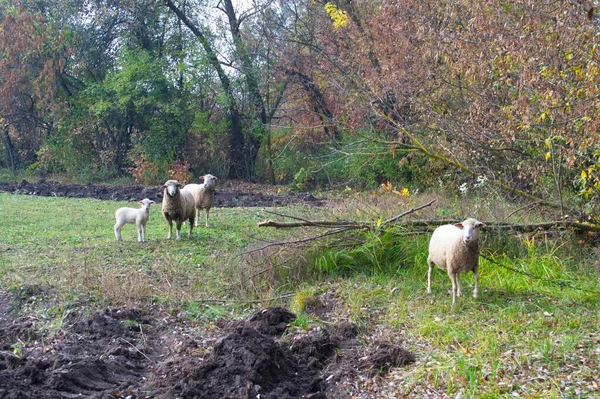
203	195
455	248
177	206
132	215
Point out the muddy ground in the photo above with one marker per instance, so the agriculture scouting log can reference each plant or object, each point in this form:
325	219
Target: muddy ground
151	353
227	195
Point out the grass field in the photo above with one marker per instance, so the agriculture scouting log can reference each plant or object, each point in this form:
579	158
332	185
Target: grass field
523	337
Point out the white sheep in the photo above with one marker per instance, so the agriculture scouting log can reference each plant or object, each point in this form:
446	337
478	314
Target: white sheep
177	206
132	215
203	195
455	248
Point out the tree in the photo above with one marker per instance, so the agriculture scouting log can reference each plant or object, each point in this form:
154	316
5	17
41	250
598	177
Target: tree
32	66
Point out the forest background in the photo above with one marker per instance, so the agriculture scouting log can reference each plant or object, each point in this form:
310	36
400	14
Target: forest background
411	94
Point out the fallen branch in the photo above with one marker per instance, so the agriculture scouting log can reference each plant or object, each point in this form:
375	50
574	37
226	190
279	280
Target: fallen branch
345	225
524	228
561	224
311	223
299	241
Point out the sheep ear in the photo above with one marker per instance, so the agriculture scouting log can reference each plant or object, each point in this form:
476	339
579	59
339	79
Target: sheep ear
152	202
480	224
459	225
141	202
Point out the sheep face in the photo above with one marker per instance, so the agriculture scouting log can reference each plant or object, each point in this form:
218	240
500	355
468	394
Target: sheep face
209	181
145	203
470	230
172	187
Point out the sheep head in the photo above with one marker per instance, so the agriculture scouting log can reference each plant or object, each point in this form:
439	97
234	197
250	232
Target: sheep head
470	229
145	203
172	187
209	180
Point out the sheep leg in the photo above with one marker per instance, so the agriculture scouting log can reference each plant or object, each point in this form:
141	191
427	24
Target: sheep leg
141	233
476	278
455	285
118	231
197	221
429	270
207	218
191	225
178	231
170	229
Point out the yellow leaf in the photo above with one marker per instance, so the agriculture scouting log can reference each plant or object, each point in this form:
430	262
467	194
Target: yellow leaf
548	155
378	222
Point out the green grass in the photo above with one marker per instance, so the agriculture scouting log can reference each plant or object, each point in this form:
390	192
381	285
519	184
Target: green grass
522	335
69	245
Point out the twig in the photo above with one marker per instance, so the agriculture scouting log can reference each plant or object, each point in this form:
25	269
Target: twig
299	241
411	210
247	301
142	353
530	205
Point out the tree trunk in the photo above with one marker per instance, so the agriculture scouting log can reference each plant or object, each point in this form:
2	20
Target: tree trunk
318	103
237	160
11	156
253	142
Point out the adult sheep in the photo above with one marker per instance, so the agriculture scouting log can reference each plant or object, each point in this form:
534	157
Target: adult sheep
203	195
455	248
177	206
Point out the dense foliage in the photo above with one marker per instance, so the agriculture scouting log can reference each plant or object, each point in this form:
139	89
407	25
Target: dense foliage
347	92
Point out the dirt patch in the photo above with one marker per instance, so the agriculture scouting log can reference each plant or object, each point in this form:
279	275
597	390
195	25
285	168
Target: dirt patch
230	194
148	353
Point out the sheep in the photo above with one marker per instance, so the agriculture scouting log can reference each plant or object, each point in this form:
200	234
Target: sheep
455	248
132	215
177	206
203	195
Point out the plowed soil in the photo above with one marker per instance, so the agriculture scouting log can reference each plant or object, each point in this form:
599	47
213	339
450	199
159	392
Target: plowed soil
150	353
227	195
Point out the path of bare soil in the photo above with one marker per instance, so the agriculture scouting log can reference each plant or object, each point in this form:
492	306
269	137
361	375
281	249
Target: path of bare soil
230	194
149	353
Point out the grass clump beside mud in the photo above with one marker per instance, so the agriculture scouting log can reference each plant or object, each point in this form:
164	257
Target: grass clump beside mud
524	336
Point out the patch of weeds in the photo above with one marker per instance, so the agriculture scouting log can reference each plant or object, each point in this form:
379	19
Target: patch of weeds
301	321
300	299
468	373
194	310
17	348
132	324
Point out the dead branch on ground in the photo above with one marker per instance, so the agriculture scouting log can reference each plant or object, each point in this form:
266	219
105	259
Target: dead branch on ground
343	225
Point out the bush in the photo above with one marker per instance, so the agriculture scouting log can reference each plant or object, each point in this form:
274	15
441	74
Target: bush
349	162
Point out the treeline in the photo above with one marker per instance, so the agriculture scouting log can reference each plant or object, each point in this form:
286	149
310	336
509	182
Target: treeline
305	92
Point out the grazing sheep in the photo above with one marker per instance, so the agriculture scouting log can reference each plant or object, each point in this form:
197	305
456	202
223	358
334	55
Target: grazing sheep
203	195
131	215
177	206
455	248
